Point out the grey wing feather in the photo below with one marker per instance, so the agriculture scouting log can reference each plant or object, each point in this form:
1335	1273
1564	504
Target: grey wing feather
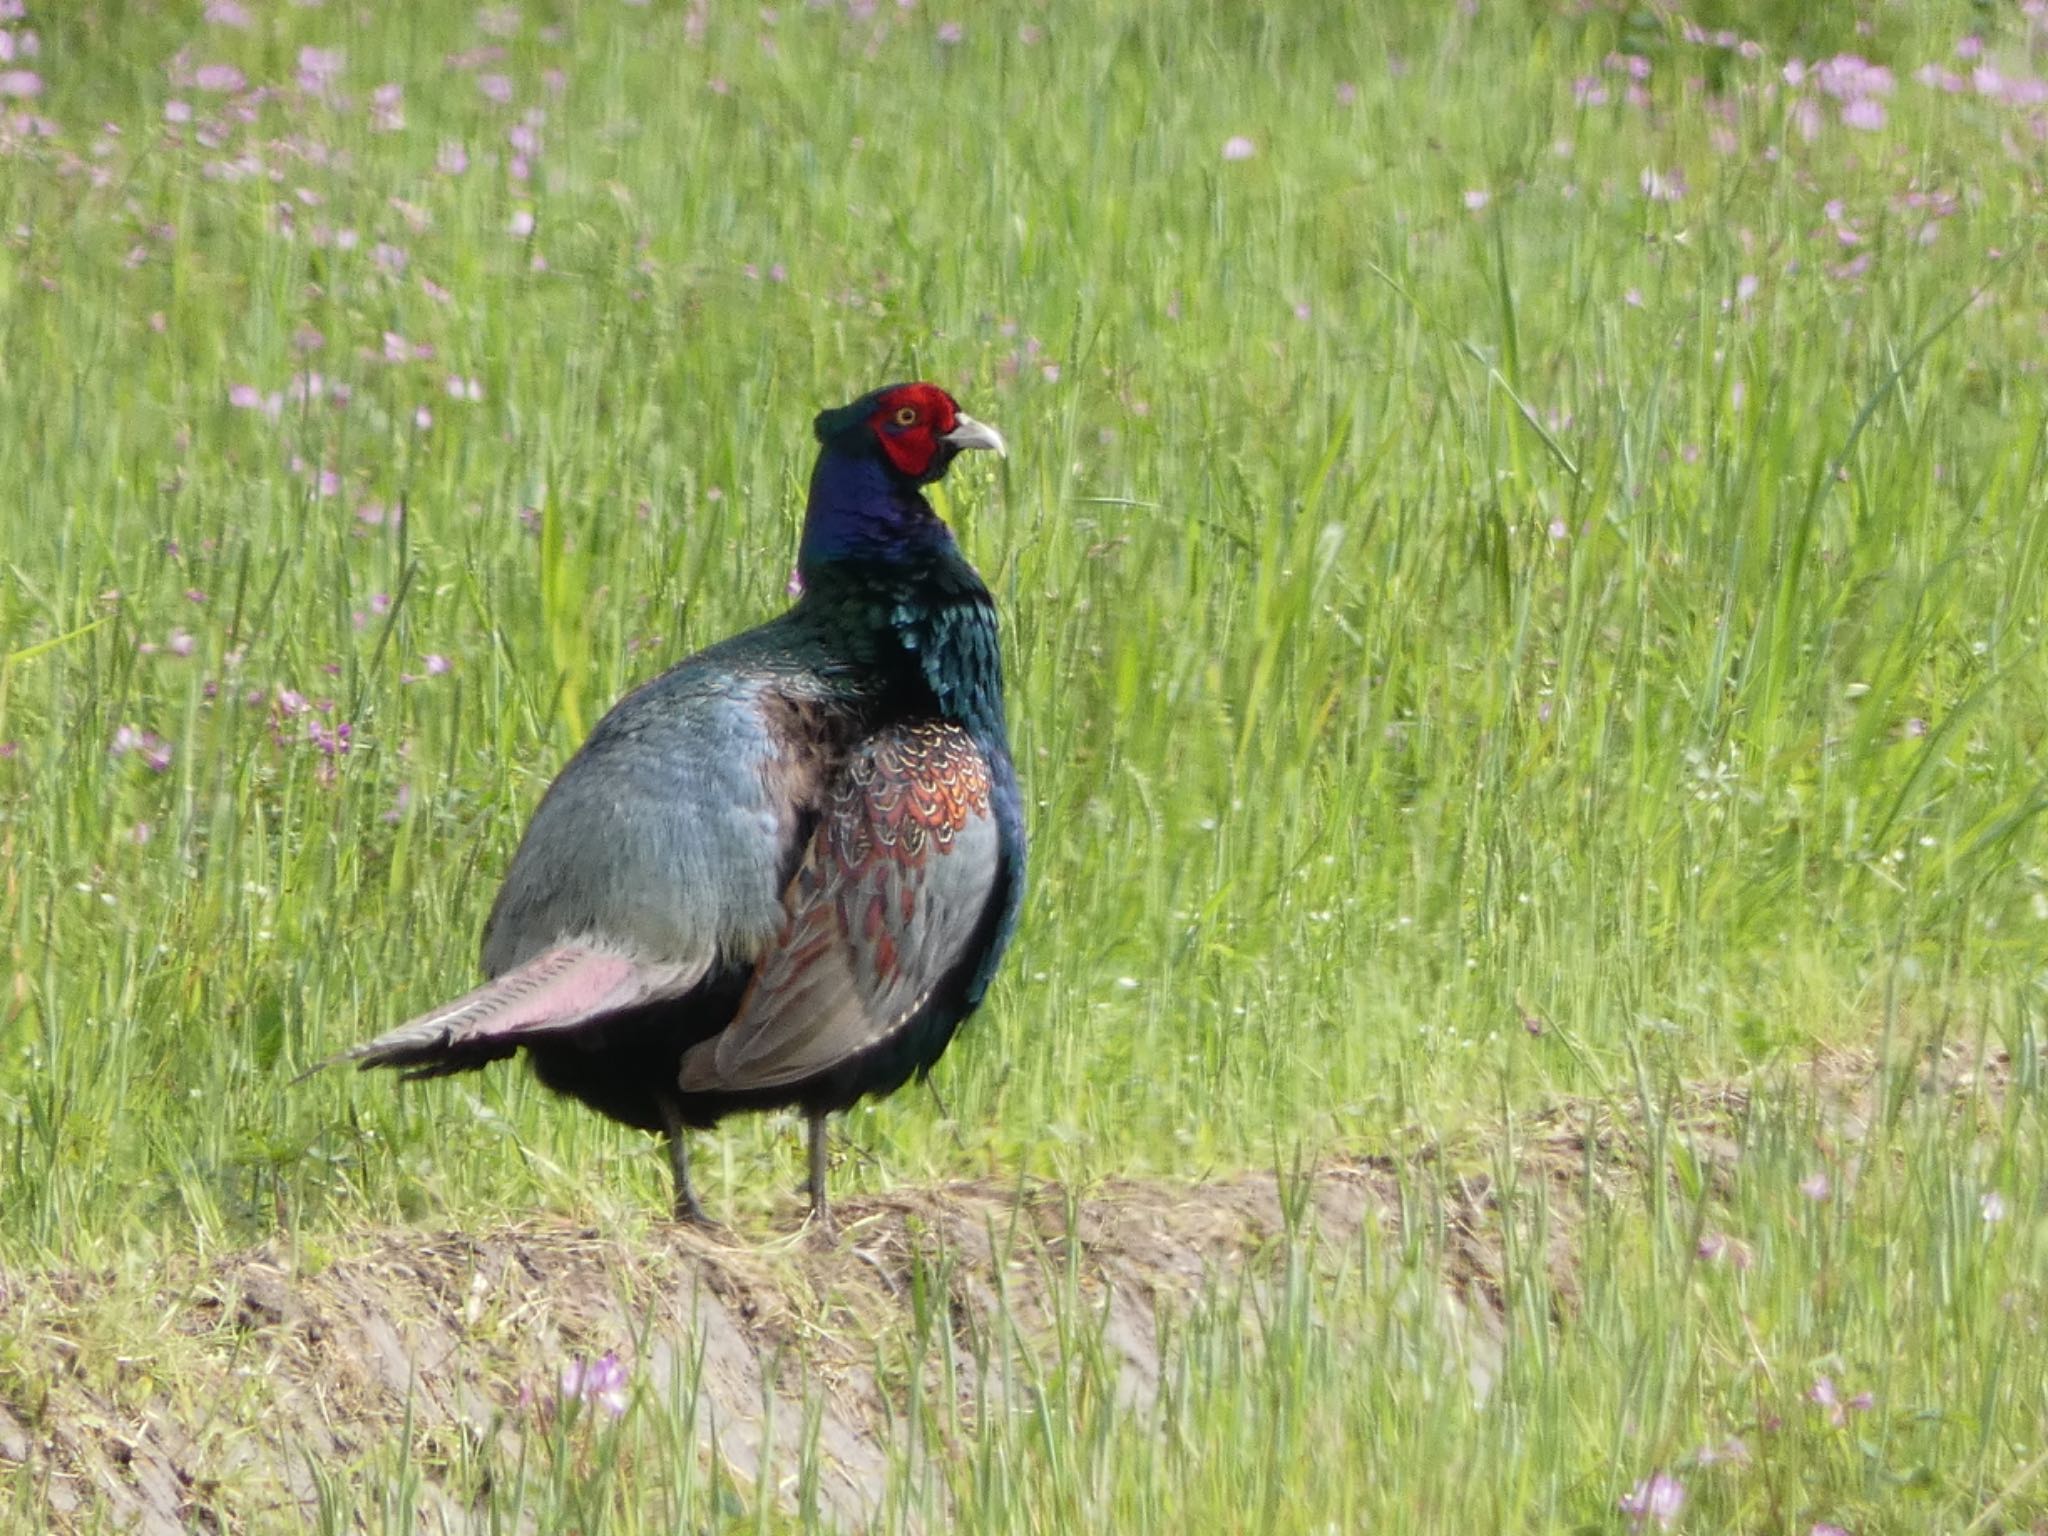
664	836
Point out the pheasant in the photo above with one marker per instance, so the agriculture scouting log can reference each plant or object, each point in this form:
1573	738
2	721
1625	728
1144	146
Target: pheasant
782	873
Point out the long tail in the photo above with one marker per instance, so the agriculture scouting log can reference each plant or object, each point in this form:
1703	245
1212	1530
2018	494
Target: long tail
555	993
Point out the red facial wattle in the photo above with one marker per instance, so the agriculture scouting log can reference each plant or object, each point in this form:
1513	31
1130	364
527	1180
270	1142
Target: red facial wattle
909	422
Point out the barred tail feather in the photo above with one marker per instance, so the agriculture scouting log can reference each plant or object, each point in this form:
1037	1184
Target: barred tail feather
554	993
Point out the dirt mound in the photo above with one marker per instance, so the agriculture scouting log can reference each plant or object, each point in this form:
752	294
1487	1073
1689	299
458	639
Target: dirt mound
296	1369
247	1391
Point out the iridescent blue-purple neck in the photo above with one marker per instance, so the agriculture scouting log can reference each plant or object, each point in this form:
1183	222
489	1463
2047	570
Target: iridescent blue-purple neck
862	512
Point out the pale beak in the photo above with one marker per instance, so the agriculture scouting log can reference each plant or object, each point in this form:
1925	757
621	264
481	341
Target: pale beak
969	433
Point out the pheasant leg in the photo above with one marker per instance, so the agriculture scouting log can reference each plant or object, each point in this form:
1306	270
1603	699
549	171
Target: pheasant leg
821	1210
687	1209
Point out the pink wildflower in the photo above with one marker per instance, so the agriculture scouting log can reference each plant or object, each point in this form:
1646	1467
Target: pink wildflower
1823	1395
320	69
600	1382
1659	1497
154	751
1849	76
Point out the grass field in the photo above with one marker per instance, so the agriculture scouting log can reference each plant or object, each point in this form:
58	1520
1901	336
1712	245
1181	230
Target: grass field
1523	561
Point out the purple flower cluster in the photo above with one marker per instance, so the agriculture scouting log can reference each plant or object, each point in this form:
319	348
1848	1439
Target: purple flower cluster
433	665
1720	1248
18	47
1845	89
180	642
1658	1497
149	748
297	720
1722	38
600	1383
1625	76
216	108
332	740
320	71
1822	1394
1856	86
1985	79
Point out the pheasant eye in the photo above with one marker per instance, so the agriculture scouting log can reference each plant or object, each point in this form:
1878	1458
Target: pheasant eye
905	415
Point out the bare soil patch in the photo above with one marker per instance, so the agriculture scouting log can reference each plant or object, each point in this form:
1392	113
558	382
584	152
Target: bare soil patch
241	1385
288	1372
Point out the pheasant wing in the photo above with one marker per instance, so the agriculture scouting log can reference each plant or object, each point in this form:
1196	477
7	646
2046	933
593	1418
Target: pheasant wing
885	906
